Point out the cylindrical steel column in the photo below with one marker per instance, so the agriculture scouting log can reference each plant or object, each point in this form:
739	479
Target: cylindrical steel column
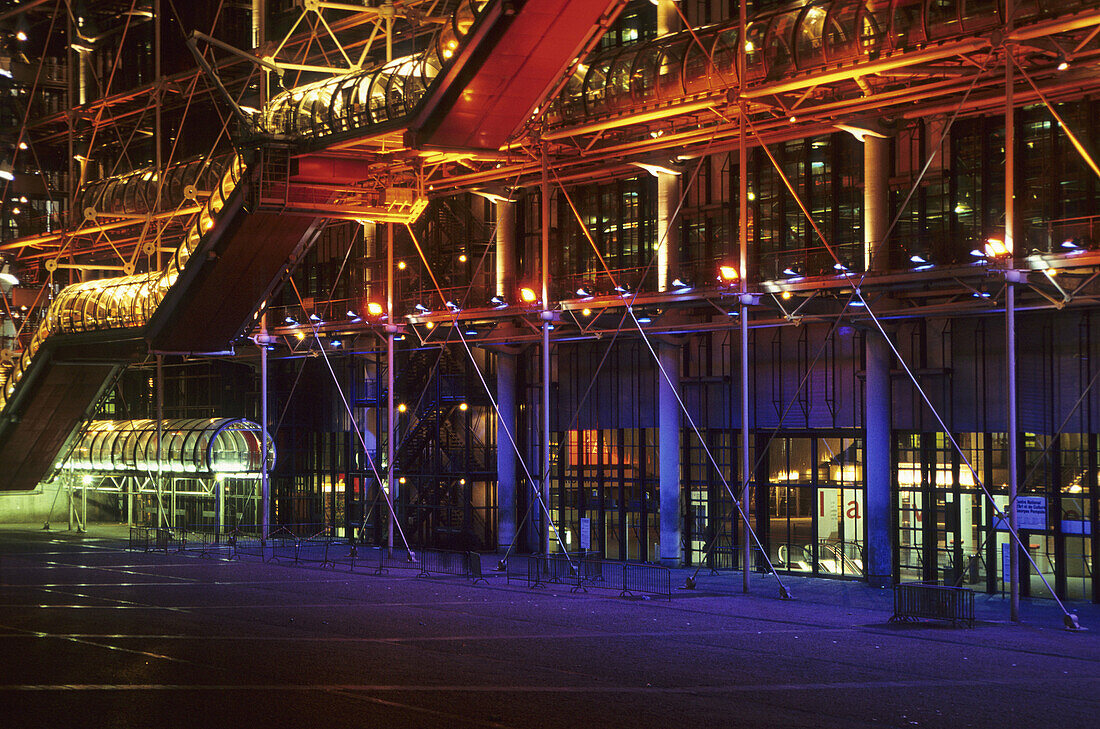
668	18
161	521
668	231
1010	325
265	481
506	250
391	398
506	452
877	413
668	453
876	201
546	317
506	380
877	468
743	263
668	185
219	507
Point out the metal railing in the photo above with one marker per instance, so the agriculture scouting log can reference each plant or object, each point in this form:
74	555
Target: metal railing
584	572
427	562
915	600
153	539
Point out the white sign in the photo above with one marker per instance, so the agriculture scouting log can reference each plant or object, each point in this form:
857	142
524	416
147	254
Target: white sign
1031	513
586	533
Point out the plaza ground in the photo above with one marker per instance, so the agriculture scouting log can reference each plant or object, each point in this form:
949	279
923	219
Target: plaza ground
95	635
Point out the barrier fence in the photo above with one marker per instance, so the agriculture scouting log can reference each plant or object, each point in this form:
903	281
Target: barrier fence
588	571
152	539
428	562
914	600
581	572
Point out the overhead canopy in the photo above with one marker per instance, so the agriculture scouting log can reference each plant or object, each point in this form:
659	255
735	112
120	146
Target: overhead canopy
196	446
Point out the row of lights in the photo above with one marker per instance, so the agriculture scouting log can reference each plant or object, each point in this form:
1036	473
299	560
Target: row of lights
403	408
727	275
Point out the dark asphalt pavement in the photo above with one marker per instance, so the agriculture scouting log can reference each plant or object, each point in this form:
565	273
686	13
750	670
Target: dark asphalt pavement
92	635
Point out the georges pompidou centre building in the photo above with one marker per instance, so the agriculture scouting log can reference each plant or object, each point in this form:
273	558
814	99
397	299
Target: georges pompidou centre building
796	286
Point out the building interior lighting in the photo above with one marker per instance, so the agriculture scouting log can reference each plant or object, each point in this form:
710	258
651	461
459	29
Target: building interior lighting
528	295
462	258
6	171
336	343
729	273
420	308
463	407
291	320
841	267
315	318
622	289
401	266
469	330
996	248
9	278
585	292
586	312
452	306
374	308
792	272
401	407
682	284
498	302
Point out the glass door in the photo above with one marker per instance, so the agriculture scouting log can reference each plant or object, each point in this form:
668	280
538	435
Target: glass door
840	508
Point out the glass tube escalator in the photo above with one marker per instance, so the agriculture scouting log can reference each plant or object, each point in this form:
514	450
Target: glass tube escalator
125	302
362	101
800	39
202	447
